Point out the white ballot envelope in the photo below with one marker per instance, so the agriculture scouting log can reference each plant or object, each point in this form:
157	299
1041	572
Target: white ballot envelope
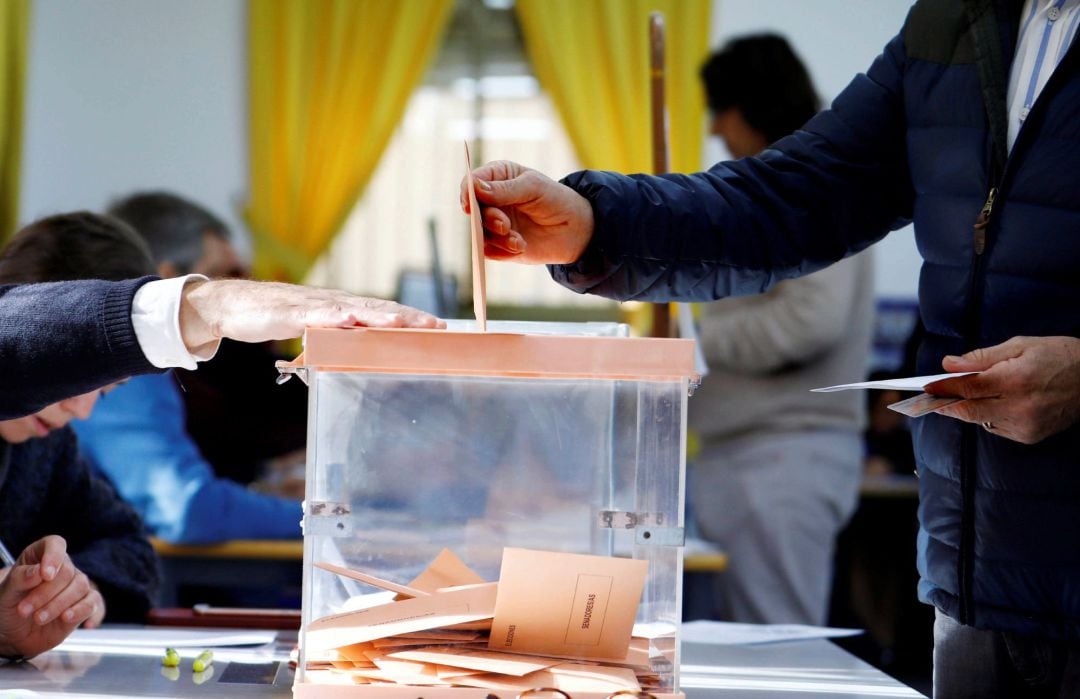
916	406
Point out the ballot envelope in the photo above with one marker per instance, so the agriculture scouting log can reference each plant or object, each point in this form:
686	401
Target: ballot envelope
435	454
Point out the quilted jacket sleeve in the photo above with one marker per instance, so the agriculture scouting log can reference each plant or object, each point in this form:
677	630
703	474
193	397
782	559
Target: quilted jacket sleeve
827	191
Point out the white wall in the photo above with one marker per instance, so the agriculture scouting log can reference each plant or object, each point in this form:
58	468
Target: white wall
135	94
836	39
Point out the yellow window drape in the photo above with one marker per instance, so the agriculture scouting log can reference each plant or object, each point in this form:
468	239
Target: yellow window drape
329	80
14	35
592	56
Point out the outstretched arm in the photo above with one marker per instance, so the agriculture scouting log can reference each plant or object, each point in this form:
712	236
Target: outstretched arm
829	190
67	338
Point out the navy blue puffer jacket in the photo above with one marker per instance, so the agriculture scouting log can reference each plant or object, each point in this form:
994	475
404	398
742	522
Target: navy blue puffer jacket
913	138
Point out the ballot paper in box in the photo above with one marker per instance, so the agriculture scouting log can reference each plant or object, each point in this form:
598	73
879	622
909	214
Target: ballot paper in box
524	452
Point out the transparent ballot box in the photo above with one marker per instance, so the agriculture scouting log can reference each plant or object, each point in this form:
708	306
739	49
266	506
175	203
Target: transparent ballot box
562	438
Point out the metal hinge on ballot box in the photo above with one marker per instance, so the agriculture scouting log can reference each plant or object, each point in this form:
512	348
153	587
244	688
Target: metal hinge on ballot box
327	518
649	527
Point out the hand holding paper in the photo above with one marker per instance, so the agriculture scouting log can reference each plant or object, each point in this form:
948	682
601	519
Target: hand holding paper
915	406
1028	388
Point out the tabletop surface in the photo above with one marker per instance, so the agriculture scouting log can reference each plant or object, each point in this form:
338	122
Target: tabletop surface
812	669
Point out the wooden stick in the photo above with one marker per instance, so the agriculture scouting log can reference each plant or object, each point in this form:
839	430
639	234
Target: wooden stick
661	315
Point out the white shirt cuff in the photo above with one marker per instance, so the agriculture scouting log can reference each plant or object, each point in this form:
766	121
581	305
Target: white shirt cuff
155	315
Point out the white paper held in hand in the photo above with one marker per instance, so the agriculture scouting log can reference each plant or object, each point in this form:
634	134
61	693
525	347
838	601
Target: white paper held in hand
916	406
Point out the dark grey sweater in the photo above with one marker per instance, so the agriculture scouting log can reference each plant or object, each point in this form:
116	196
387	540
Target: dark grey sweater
45	488
64	339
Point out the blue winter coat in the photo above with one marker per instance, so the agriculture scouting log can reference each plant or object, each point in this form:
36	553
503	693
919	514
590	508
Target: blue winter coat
911	139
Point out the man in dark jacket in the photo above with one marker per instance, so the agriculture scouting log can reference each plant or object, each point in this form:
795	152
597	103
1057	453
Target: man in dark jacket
967	125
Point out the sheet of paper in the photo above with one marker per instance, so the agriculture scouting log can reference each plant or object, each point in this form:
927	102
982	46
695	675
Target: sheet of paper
912	383
566	604
569	677
447	570
482	660
408	672
163	637
920	405
454	606
479	280
405	590
728	633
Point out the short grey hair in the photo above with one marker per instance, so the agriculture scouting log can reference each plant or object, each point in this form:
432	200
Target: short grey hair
172	226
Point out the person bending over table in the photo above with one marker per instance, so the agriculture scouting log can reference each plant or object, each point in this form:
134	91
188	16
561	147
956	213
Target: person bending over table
141	439
83	557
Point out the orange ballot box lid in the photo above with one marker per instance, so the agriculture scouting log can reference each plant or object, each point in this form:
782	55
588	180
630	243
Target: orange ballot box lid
447	352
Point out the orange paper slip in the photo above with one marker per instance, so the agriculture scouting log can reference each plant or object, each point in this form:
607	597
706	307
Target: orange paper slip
372	580
479	283
482	660
447	570
568	677
454	606
566	604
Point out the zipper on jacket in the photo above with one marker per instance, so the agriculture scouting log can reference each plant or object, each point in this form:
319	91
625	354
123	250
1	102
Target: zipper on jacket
993	70
983	221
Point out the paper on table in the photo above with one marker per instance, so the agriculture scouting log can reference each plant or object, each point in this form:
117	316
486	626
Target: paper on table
728	633
913	383
172	638
566	604
479	281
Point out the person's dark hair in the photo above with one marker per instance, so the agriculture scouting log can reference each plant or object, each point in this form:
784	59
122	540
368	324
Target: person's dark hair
172	226
761	76
79	245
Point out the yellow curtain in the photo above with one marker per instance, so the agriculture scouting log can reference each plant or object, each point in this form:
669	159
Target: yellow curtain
14	33
329	80
592	56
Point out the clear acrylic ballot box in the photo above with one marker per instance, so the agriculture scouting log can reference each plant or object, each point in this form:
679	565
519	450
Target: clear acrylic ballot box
557	437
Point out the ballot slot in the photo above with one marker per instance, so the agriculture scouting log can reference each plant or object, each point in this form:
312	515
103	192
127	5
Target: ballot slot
527	436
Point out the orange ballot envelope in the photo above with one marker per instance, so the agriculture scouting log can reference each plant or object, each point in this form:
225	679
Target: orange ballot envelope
444	608
476	228
566	604
447	570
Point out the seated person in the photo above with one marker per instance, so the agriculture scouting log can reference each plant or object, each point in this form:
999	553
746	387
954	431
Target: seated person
246	426
83	556
140	437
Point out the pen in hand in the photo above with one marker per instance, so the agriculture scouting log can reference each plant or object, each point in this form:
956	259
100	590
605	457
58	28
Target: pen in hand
5	556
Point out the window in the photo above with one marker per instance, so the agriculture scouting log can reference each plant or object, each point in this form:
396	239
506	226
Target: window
493	101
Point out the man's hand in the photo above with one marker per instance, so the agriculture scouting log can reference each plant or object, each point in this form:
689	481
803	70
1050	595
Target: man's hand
258	311
527	216
43	598
1029	388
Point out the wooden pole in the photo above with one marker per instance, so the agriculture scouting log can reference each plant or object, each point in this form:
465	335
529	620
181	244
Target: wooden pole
661	315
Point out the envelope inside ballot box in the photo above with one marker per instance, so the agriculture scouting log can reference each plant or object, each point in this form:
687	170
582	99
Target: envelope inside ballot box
552	619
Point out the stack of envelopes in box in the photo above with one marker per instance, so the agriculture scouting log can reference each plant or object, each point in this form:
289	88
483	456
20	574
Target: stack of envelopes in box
553	619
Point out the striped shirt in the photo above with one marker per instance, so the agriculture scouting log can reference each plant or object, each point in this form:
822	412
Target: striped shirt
1047	28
